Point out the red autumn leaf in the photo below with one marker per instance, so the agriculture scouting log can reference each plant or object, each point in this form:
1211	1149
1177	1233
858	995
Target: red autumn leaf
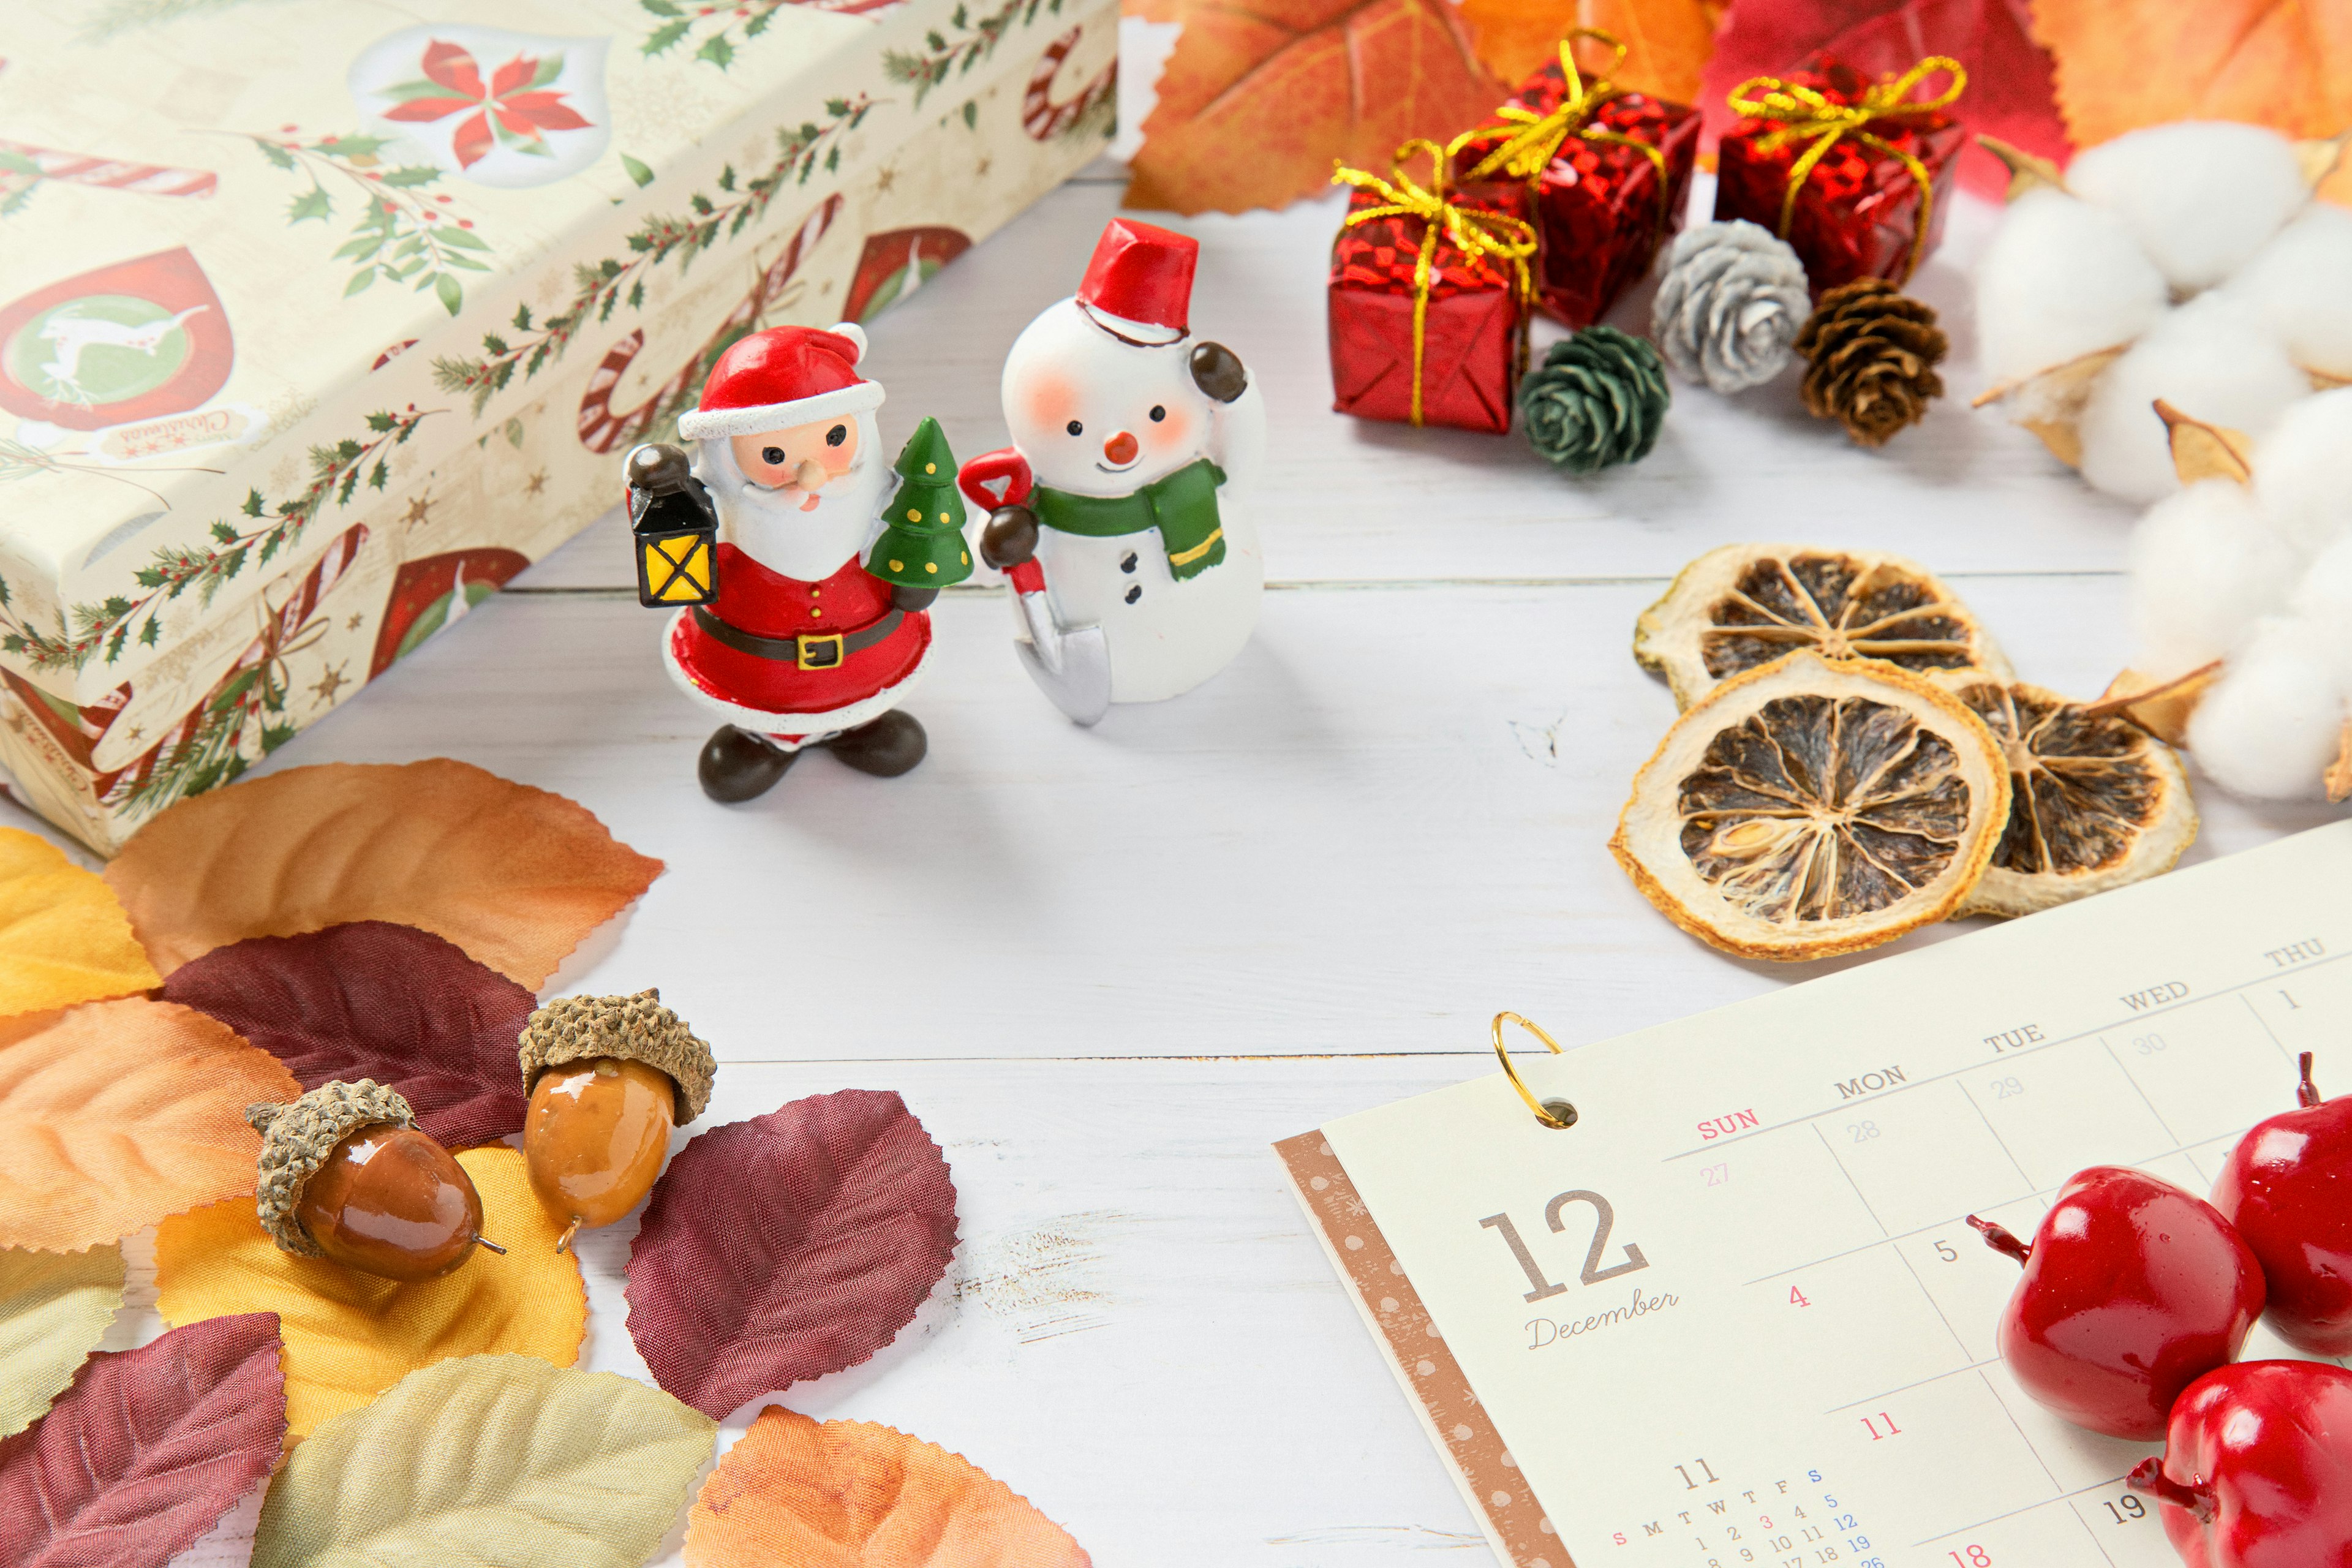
2010	92
787	1246
1261	95
373	999
147	1450
452	67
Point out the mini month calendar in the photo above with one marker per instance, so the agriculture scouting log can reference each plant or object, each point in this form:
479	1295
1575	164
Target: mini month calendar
1734	1317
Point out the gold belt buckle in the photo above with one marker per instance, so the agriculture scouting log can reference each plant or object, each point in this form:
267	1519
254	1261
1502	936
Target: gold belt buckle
806	641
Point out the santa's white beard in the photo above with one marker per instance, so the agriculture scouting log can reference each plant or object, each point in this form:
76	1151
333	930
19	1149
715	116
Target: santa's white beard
769	526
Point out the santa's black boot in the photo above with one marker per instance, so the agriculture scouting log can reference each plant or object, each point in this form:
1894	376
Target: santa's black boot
885	747
738	765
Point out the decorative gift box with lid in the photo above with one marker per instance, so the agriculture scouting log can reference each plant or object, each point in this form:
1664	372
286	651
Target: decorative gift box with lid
320	321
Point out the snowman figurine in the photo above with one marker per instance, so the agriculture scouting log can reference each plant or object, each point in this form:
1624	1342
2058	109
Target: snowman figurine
1134	576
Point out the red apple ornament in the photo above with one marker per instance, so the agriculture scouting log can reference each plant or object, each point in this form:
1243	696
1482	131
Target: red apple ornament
2257	1468
2133	1290
2288	1189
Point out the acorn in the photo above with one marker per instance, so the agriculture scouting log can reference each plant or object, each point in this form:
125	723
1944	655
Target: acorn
346	1175
609	1078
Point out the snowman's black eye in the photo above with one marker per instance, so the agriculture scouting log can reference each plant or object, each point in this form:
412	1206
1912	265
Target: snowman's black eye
837	436
1076	428
774	455
1158	414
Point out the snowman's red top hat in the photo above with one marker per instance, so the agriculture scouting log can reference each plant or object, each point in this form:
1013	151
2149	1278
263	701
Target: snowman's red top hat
782	377
1138	287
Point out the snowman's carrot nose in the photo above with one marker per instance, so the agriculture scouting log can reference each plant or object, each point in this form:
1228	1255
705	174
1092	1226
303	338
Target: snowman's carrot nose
1120	449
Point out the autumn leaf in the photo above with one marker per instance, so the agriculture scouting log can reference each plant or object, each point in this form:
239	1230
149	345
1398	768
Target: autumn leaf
2009	92
114	1114
513	874
489	1461
793	1493
2271	62
378	1001
1259	96
53	1308
63	935
788	1246
1667	42
147	1450
349	1336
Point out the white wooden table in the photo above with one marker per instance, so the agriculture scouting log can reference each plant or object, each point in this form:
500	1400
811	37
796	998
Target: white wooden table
1109	967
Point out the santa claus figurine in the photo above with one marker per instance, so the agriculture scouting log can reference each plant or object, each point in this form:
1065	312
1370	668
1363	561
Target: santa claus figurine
804	601
1135	576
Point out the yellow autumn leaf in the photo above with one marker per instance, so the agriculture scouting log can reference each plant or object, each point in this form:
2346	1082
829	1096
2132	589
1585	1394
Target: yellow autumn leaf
63	935
114	1114
349	1336
53	1308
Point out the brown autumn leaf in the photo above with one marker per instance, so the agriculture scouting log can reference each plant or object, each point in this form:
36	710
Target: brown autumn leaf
118	1114
514	876
795	1493
1667	42
1260	96
2281	63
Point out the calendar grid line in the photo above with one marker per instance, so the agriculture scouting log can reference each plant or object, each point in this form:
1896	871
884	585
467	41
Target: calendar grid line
1934	1304
2100	1546
2064	1497
2014	1163
2265	1024
1995	1395
1717	1145
1884	1233
1875	1398
2136	1087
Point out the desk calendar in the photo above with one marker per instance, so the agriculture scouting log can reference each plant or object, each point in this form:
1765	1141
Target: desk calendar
1733	1317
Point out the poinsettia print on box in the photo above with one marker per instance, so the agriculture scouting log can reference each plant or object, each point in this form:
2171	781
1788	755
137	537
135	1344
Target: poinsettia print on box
314	329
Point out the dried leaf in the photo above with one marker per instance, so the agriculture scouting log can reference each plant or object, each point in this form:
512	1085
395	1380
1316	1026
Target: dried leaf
490	1461
849	1494
2281	65
1667	42
147	1450
2009	93
788	1246
2203	451
2162	708
377	1000
1259	96
53	1308
513	874
63	935
349	1336
114	1114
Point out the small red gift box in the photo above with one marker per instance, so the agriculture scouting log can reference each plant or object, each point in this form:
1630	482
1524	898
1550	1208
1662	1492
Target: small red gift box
1608	170
1429	300
1854	175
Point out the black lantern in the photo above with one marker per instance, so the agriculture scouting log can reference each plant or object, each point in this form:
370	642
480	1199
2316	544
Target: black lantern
673	527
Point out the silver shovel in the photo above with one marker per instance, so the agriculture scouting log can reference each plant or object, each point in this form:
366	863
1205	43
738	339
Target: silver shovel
1071	665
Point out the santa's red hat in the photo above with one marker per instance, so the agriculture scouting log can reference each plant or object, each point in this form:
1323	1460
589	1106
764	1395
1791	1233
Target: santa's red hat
784	377
1138	287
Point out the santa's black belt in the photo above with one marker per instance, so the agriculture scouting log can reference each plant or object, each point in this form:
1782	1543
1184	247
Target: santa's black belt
809	650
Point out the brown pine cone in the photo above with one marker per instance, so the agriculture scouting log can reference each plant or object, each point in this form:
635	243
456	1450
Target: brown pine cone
1872	351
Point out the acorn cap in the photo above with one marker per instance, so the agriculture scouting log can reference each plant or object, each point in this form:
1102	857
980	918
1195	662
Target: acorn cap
581	1028
297	1139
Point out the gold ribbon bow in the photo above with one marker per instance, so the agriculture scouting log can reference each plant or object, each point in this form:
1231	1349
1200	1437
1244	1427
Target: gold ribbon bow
1804	114
1530	150
1474	231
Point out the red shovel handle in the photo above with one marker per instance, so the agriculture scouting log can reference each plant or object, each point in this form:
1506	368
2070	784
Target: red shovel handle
1028	577
1005	469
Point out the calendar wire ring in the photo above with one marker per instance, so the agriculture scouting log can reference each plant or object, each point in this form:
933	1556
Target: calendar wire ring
1556	1114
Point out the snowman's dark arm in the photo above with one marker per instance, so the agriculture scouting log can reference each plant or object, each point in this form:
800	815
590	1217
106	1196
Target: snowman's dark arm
1219	372
1009	538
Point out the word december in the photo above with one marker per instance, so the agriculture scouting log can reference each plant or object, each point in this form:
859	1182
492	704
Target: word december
1542	1331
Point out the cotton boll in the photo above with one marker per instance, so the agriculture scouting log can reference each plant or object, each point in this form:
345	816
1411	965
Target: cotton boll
2322	602
2270	726
2301	285
2062	279
2210	360
2302	470
2201	195
2205	568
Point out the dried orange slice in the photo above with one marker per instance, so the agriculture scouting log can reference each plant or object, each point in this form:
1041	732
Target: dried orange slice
1814	807
2095	801
1744	605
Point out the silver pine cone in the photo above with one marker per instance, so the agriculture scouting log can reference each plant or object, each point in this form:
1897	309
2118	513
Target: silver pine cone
1733	299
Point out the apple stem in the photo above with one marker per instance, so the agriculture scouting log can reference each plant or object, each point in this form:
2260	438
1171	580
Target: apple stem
2307	1093
485	1241
2000	1239
2149	1475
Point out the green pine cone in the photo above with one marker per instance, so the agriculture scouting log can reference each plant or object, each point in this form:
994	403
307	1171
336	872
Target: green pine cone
1599	398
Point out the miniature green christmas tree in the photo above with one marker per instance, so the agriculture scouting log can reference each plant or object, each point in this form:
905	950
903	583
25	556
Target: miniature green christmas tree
922	543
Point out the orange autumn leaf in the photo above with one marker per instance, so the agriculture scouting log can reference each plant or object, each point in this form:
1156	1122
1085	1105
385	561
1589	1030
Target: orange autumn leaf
1261	95
116	1114
514	876
1667	42
63	935
2282	63
794	1493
